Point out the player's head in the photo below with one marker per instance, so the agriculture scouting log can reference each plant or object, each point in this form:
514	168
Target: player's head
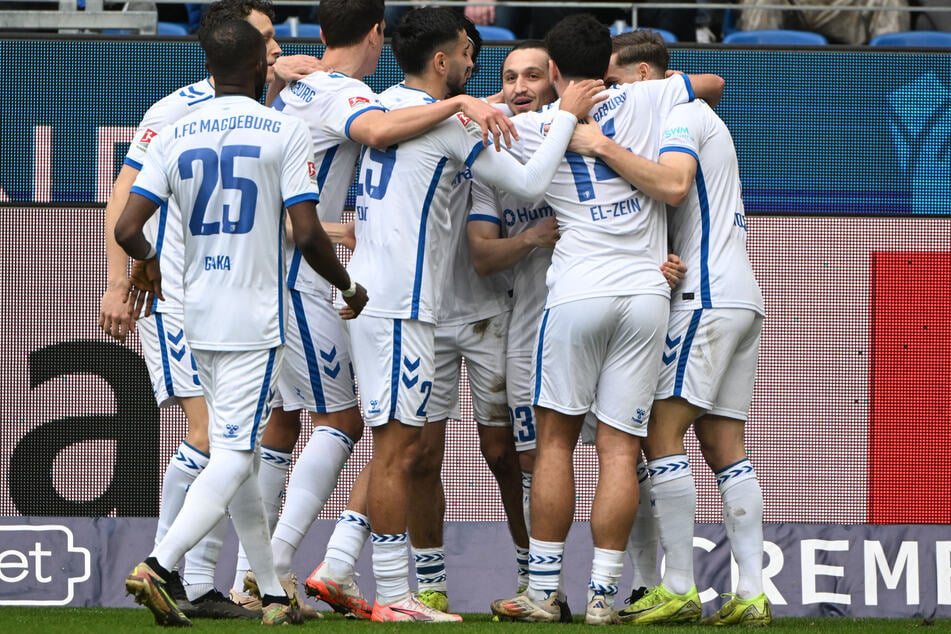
236	55
434	39
347	22
526	84
580	47
258	13
637	56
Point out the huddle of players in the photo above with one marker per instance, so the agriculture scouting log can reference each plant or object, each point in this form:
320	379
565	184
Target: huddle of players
428	192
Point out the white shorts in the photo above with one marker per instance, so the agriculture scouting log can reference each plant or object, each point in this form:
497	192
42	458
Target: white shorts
519	381
603	353
394	360
238	389
710	359
482	344
317	372
169	358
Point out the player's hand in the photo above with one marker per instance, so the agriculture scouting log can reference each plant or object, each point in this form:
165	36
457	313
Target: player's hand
544	234
587	138
293	67
115	315
495	99
481	15
492	121
355	303
674	270
146	285
579	97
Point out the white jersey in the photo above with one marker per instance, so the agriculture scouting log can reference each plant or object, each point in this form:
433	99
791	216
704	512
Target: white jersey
328	103
513	216
233	166
467	296
164	230
708	231
613	237
402	213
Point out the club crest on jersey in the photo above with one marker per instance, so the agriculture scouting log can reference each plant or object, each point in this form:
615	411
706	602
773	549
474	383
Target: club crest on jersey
356	101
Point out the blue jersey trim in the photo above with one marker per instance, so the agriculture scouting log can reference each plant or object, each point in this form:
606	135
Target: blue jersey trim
485	218
395	372
310	353
474	153
159	243
155	198
281	283
259	412
685	351
421	244
278	103
680	148
346	128
324	169
706	301
132	163
429	97
538	357
689	86
163	348
293	200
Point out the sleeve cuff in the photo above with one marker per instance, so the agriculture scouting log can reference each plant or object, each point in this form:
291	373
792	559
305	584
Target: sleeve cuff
346	129
158	200
293	200
484	218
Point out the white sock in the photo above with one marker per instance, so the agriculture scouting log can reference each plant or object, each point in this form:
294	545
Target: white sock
185	465
200	562
606	572
205	504
743	519
275	463
431	568
642	543
390	567
544	567
527	499
271	476
346	543
521	563
674	499
312	481
250	522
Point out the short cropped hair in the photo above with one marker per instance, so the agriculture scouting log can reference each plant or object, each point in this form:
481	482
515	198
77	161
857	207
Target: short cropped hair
526	44
233	48
226	10
421	33
345	22
641	46
580	46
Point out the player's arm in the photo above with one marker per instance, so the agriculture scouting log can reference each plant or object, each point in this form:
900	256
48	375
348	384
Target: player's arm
707	86
492	253
382	128
115	316
668	180
318	251
532	179
129	235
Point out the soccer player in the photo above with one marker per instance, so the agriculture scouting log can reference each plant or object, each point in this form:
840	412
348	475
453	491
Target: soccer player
233	166
402	228
601	334
711	351
165	345
472	322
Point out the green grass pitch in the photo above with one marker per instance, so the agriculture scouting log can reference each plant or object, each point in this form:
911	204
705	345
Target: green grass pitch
16	620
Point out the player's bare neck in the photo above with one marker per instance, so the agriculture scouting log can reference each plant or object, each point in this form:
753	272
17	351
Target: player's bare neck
433	86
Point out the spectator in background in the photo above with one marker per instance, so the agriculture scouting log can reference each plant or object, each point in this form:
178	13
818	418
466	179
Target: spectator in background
839	27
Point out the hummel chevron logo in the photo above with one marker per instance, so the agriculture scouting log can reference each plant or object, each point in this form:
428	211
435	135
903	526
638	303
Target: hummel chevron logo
412	366
670	468
332	372
732	473
176	338
178	354
672	343
669	359
191	464
410	382
329	356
